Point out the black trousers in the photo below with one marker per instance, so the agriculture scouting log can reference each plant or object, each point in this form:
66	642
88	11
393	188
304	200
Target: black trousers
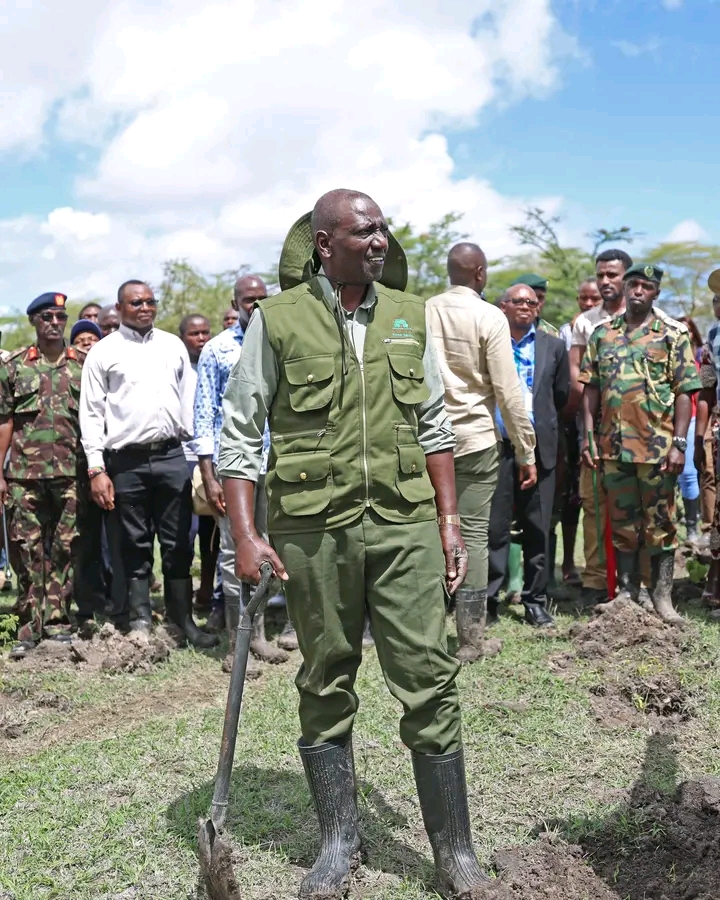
152	497
533	513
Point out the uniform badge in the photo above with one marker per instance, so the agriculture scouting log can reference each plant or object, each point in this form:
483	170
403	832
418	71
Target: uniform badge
649	271
59	300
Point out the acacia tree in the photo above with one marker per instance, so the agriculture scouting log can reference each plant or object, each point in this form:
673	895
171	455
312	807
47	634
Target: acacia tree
427	251
184	290
687	265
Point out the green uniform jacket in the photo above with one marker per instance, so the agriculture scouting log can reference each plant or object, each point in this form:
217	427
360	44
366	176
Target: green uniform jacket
344	436
42	400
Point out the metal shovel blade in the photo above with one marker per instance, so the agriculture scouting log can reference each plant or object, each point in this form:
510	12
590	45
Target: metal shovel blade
216	864
215	854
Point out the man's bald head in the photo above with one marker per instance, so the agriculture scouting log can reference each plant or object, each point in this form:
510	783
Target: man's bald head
350	236
467	266
246	293
331	207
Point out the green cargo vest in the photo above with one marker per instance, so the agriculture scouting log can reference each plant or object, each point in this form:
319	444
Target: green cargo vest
345	441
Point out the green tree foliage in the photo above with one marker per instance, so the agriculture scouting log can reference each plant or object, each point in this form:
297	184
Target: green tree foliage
185	290
564	267
427	252
687	265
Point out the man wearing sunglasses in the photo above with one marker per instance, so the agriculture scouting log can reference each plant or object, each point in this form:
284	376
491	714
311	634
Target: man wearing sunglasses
136	409
39	391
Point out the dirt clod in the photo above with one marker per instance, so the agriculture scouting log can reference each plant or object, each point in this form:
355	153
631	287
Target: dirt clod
106	651
625	625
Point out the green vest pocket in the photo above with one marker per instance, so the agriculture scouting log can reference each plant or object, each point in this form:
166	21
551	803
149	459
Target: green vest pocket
412	479
407	375
310	382
307	485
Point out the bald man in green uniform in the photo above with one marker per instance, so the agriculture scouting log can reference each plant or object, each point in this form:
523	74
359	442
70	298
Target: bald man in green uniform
362	516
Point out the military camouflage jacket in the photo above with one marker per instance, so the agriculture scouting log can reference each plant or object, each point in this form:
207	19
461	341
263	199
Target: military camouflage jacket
639	373
42	399
542	325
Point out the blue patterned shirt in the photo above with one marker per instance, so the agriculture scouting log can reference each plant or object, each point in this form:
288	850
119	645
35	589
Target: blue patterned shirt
713	340
216	361
524	355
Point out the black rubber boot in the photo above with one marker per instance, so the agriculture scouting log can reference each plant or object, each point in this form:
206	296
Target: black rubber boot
138	593
178	606
663	570
470	607
692	510
330	772
442	791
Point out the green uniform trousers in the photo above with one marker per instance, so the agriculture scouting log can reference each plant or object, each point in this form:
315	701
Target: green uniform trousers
476	476
394	573
42	531
641	499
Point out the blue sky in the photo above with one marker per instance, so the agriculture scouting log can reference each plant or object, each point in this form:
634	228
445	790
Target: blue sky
631	137
132	133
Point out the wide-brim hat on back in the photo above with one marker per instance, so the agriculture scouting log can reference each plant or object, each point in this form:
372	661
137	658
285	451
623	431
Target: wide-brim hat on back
714	281
299	260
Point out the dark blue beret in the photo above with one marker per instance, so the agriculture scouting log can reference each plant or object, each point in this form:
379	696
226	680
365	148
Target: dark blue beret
49	300
83	325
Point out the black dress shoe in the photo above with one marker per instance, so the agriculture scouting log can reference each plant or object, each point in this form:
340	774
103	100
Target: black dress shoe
537	616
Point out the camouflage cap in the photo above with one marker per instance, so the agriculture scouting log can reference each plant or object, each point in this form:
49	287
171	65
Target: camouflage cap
536	282
646	271
714	281
299	260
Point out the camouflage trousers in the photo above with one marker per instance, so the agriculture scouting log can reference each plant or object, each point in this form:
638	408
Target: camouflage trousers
42	532
641	499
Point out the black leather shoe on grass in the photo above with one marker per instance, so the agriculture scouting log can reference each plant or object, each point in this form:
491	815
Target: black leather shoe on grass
537	616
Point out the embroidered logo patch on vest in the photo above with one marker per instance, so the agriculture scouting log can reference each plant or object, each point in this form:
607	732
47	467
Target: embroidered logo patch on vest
401	329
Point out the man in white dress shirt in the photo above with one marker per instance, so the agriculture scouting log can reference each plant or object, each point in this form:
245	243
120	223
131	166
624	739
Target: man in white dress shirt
135	409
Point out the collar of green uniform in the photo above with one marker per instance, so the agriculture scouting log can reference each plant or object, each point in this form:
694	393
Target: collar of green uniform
369	300
656	324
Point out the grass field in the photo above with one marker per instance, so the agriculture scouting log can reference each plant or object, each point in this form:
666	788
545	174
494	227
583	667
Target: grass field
102	778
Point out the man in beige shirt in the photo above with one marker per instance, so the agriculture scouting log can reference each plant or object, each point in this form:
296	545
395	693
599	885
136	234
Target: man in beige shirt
475	356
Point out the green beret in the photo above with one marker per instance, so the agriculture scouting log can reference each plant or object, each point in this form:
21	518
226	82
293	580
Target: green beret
646	271
536	282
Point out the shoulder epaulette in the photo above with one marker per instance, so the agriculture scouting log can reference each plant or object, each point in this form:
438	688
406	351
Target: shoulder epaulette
31	353
663	317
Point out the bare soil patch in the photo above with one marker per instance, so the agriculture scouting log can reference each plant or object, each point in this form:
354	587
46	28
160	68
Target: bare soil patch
676	853
107	651
637	657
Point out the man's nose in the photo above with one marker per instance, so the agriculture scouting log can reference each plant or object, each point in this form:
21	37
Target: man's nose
379	241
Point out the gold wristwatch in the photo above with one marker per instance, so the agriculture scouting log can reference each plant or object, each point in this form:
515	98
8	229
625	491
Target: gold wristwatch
448	520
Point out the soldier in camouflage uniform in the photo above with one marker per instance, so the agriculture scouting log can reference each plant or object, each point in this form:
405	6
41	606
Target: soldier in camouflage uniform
39	393
639	373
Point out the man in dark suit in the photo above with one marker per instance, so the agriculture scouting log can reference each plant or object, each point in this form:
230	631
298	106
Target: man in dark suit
542	364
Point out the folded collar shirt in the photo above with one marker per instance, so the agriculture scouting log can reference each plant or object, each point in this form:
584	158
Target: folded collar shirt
524	356
136	389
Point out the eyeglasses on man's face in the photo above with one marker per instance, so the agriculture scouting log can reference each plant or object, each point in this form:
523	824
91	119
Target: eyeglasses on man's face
54	317
524	301
150	302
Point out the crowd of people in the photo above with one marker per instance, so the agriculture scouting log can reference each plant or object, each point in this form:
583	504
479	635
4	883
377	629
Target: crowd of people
392	458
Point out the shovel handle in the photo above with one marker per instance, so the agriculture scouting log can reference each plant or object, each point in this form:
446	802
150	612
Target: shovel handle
218	812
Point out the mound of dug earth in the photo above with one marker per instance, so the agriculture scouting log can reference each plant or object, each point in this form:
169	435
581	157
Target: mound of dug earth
658	847
675	854
550	869
623	626
106	651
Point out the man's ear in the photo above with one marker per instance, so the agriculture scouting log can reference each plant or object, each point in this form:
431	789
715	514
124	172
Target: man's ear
322	244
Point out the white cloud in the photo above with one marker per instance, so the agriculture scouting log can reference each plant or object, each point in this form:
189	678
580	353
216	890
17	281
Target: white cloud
217	123
672	4
687	230
643	48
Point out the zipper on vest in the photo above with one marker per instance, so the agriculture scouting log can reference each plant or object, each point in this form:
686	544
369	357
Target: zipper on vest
411	341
